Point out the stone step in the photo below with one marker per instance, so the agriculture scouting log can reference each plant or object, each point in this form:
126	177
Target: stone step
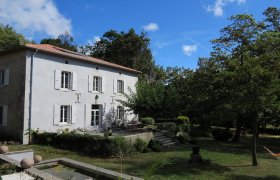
165	141
161	137
168	144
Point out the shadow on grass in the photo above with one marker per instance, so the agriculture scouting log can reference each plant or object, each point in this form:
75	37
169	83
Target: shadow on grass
244	177
242	147
180	166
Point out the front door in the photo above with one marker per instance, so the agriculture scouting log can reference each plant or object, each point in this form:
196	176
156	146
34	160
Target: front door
95	115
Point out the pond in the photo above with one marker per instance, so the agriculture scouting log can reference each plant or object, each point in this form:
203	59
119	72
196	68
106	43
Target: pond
69	173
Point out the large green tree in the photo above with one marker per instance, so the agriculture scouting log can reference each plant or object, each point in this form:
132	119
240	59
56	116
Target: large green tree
250	71
125	48
9	38
65	41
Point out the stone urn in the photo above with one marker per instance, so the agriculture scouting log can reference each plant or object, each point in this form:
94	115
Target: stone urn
26	163
37	158
3	149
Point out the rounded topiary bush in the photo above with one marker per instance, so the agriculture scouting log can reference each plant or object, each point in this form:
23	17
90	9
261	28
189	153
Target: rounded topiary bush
183	119
147	121
221	135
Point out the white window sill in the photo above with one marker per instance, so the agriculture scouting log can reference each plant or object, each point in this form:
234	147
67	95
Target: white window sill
65	90
64	124
3	86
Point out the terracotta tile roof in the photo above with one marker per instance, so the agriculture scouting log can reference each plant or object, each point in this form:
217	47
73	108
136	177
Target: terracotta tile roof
47	48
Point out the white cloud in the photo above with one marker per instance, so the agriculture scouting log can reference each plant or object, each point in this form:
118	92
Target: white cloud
217	8
36	15
189	49
151	27
161	45
94	40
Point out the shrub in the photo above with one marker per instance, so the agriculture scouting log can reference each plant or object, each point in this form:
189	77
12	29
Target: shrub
7	168
183	119
88	144
147	121
182	137
155	145
221	135
199	132
139	145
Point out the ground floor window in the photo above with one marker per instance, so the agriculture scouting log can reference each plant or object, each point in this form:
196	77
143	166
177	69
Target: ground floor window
65	114
2	77
120	112
95	115
1	115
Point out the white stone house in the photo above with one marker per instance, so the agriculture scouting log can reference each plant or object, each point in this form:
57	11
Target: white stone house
49	88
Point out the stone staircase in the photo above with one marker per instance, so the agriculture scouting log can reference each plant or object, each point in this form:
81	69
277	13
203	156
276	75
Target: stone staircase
165	141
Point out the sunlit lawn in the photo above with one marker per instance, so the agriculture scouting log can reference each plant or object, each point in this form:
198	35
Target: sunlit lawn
228	160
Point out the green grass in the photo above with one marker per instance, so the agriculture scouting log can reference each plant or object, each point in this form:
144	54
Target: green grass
228	160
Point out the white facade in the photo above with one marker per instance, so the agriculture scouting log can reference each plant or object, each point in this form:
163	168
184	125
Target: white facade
62	92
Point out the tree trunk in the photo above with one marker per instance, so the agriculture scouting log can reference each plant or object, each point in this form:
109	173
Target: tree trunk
254	143
237	131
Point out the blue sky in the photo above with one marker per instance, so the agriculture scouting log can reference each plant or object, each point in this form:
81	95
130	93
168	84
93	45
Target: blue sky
180	30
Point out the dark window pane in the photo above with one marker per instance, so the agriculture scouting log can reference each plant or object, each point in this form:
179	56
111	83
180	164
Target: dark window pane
1	115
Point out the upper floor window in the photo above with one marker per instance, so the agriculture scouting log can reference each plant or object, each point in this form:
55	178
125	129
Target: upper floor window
97	84
4	76
120	86
65	80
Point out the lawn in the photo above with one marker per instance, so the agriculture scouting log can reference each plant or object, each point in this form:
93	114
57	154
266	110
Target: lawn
228	160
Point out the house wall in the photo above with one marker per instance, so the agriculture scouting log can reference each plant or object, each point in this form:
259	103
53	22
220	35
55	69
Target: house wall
45	96
13	95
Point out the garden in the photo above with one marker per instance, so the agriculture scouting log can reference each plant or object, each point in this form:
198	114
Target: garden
227	160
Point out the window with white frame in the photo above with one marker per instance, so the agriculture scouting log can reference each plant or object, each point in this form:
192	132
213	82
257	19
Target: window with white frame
66	80
4	76
120	112
120	86
95	115
1	115
65	114
97	84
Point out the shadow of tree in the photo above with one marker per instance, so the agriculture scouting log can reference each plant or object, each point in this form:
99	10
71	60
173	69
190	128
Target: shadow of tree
245	177
180	166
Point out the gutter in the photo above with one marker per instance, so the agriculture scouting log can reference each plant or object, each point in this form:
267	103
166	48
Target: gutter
30	95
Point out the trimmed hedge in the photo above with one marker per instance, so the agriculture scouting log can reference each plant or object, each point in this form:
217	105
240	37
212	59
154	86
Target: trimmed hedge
88	144
221	135
147	121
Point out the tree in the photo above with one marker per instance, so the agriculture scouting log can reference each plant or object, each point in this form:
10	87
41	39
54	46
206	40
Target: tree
241	52
127	49
9	38
65	41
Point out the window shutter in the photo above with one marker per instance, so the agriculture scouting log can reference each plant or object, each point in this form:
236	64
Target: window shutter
115	85
103	84
124	86
5	115
73	114
90	83
57	79
7	76
74	81
56	114
88	114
